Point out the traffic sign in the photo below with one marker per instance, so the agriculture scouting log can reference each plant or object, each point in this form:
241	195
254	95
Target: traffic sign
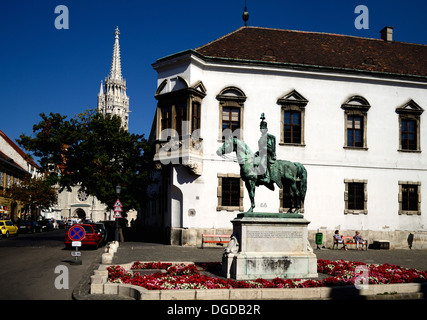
76	233
117	214
119	209
118	203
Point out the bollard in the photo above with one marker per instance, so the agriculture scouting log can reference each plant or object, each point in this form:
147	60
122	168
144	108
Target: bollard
113	247
107	258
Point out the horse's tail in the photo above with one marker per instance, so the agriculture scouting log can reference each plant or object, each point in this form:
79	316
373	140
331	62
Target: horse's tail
302	175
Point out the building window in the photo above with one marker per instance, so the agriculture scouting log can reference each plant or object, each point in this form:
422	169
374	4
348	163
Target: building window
292	127
195	117
166	120
409	126
8	181
356	118
180	117
409	197
230	192
355	131
355	197
231	104
408	133
293	118
230	119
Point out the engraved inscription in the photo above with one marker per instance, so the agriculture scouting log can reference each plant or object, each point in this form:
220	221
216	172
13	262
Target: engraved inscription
274	234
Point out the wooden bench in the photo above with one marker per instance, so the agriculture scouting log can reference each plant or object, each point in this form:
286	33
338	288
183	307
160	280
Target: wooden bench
208	238
350	240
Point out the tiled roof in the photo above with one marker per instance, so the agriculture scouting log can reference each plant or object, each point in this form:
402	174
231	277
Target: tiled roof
314	50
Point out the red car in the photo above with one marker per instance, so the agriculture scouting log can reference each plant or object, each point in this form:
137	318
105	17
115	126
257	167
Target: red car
92	237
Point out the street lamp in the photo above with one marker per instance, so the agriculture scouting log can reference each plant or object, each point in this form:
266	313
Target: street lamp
118	189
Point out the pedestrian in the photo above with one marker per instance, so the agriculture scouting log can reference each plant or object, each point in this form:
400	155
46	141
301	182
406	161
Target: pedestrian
339	239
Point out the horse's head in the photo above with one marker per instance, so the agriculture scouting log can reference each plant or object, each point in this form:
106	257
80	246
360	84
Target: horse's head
227	147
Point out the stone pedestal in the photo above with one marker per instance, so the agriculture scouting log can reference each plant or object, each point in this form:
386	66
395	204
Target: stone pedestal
269	245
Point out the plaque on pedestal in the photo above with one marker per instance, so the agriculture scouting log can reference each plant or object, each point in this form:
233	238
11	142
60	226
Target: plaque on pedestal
269	245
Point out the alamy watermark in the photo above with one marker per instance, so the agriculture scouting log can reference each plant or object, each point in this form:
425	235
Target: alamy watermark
362	20
362	279
62	21
62	281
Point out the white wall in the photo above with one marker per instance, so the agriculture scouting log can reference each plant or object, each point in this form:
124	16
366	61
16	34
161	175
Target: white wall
327	162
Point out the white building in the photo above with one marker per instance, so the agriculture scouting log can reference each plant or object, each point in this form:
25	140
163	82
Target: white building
349	109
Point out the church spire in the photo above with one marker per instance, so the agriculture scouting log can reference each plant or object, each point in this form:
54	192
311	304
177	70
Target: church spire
116	66
112	99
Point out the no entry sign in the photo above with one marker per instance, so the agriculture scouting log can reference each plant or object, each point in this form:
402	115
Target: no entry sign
76	233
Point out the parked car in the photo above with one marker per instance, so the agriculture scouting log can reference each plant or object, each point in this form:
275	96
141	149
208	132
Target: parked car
7	228
46	225
29	226
100	227
92	237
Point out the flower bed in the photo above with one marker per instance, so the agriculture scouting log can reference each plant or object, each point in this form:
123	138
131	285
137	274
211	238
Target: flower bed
180	276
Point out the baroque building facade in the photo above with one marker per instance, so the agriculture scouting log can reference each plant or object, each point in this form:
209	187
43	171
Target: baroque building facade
350	109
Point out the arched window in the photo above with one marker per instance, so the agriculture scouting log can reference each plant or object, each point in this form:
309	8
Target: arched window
231	104
355	122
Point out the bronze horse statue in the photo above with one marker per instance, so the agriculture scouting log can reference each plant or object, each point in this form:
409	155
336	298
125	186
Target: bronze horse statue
283	173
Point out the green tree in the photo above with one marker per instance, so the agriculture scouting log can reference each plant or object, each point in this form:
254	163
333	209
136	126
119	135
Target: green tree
35	192
95	152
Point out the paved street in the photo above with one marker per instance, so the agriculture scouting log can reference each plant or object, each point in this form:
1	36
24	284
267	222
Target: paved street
28	262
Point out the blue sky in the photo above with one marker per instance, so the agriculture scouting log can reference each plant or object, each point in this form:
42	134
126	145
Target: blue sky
44	69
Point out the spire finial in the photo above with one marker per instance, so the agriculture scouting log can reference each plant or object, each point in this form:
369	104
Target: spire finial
116	69
245	15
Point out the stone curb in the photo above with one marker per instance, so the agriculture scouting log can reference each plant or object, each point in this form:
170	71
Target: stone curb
100	287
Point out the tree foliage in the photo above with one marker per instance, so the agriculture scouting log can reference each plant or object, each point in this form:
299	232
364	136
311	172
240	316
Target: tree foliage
95	152
34	192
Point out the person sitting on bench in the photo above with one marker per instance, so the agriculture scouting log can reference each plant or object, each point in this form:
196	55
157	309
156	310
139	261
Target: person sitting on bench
358	239
338	239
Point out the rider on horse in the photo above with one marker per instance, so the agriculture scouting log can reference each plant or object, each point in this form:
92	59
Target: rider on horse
266	154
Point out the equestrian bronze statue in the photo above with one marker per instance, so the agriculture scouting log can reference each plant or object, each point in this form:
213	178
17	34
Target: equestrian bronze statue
262	168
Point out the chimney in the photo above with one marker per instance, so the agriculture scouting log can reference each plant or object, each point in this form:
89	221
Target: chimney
387	34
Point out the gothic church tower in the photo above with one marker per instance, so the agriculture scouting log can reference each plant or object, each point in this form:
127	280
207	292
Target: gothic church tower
112	98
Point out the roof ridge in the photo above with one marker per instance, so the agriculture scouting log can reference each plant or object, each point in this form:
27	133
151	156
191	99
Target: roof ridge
309	32
224	36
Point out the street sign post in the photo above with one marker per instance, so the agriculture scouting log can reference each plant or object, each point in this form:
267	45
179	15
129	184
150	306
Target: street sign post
117	209
76	233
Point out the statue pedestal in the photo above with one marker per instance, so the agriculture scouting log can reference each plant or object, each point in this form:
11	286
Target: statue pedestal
269	245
